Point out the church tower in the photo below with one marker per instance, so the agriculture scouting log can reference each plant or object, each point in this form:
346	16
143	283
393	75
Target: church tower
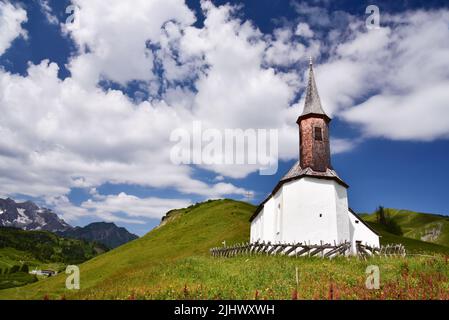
314	130
310	202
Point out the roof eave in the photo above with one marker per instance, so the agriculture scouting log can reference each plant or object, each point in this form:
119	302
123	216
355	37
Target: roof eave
364	222
313	115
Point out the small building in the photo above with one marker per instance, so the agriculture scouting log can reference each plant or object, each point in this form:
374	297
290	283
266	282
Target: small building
310	203
48	273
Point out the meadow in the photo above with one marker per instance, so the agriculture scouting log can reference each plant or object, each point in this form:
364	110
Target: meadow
262	277
173	262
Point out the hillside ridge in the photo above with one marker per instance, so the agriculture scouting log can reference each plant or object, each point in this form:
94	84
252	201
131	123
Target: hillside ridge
150	261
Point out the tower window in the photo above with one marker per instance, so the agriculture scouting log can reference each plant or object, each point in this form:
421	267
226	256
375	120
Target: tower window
318	134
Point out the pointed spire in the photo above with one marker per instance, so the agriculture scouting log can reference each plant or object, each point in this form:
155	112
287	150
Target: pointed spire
312	102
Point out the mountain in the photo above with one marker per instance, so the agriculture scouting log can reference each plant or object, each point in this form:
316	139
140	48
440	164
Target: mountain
102	232
173	262
28	216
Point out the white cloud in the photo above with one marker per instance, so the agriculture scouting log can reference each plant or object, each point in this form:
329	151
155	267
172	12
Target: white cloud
11	19
405	68
339	145
421	115
304	30
133	207
390	82
116	208
48	12
115	46
60	134
285	50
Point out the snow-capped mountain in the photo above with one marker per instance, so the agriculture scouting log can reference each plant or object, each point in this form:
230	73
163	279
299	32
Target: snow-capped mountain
28	216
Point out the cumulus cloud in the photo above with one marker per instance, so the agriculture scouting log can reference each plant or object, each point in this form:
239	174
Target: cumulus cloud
390	82
131	206
11	19
58	135
304	30
61	134
117	45
404	67
286	49
117	208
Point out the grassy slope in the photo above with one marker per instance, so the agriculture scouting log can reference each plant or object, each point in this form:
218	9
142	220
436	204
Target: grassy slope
11	256
414	225
47	247
188	232
173	261
412	245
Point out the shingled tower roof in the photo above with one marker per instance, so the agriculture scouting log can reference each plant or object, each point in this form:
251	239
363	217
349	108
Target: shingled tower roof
312	103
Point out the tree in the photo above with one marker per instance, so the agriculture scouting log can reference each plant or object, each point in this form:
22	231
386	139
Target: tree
14	269
24	268
393	227
385	219
381	216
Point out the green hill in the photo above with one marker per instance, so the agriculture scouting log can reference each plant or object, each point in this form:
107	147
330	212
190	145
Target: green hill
419	226
412	246
43	247
10	257
38	250
173	261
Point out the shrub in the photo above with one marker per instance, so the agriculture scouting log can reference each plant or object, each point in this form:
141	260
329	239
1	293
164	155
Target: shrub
14	269
24	268
384	218
393	227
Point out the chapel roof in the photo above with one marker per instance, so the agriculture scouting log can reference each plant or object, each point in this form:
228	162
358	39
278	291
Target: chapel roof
312	104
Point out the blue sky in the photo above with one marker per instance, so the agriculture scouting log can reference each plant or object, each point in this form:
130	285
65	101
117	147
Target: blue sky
88	111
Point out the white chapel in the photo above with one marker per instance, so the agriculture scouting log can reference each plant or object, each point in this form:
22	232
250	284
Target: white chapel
310	203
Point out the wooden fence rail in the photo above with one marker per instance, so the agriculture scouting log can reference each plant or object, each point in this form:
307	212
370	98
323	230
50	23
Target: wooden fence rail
288	249
389	250
304	249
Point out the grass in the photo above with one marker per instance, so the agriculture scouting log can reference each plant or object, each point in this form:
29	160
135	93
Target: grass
10	257
262	277
186	232
16	279
417	225
173	262
48	247
413	246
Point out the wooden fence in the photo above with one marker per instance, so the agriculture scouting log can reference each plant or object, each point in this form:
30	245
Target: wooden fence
288	249
303	249
390	250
